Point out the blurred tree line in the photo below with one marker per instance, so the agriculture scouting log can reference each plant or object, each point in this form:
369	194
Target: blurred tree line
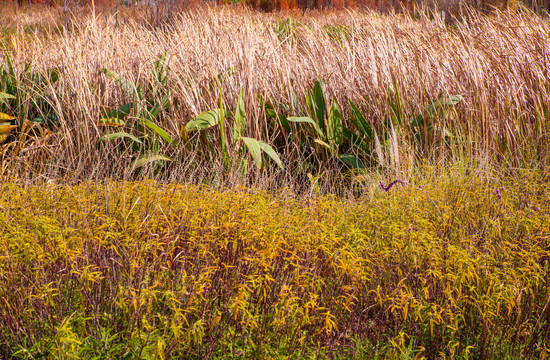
273	5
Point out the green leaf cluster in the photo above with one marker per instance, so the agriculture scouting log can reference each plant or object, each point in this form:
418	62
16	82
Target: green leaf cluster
143	115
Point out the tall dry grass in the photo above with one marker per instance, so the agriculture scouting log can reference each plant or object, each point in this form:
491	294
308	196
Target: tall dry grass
499	63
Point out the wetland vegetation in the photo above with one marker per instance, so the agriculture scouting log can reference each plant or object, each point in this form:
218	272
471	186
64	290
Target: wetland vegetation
213	185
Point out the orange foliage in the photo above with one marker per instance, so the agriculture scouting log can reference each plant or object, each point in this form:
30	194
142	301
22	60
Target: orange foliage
271	5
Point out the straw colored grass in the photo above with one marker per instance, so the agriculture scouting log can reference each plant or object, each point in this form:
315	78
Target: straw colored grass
498	63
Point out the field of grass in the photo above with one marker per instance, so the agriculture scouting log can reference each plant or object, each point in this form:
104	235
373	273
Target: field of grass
227	183
106	100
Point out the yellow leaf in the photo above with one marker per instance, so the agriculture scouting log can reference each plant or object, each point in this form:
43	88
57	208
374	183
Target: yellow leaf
3	138
5	129
111	122
6	117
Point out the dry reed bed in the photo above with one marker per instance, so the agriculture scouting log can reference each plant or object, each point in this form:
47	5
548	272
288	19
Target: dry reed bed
498	63
456	269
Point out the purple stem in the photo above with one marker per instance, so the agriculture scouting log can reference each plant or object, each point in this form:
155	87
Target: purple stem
387	188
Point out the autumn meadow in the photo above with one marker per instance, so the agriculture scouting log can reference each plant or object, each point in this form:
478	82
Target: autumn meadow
274	180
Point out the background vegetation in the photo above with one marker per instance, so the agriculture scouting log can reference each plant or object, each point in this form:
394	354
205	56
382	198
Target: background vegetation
408	92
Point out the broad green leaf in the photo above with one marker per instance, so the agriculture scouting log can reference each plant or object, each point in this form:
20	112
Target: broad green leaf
119	135
309	103
5	128
121	112
283	121
6	96
240	118
155	110
319	105
282	118
356	141
254	149
111	122
146	159
352	161
6	117
301	119
160	131
361	123
270	113
204	120
305	119
334	128
271	153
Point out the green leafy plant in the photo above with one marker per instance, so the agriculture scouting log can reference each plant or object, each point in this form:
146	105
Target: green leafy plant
433	121
142	115
369	143
6	127
29	111
27	93
324	129
254	147
363	137
326	124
